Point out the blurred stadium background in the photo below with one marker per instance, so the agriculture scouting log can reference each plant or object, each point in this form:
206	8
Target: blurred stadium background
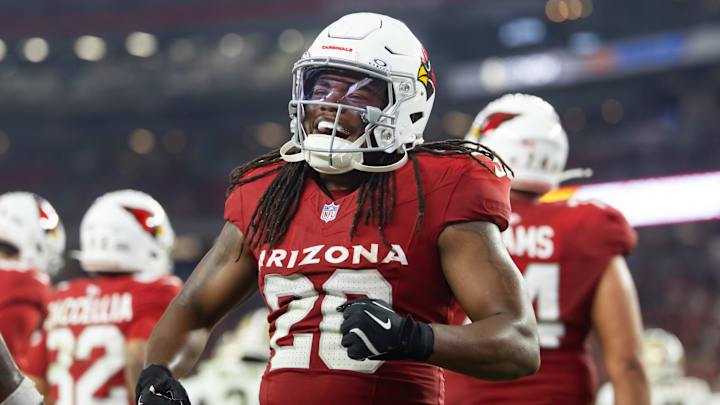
168	96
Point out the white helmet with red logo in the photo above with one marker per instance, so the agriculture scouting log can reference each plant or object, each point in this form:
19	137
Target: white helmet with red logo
386	58
29	223
126	231
526	132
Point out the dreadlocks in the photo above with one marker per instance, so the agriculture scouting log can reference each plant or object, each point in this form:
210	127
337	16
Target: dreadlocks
376	196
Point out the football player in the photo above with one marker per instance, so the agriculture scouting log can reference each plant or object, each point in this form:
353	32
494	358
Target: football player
358	235
571	254
93	340
15	389
232	375
664	356
32	242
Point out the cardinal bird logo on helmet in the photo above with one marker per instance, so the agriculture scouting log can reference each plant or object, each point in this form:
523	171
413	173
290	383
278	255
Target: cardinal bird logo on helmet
146	219
426	75
49	220
490	123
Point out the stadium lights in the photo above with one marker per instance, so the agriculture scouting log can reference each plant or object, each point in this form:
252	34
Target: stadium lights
291	41
141	141
270	134
456	123
90	48
654	201
35	49
231	45
141	44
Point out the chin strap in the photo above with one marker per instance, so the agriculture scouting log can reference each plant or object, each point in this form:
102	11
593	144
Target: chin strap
379	169
295	157
354	164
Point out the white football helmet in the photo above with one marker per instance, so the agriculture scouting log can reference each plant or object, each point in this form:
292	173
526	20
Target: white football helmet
663	355
250	341
526	132
383	57
126	231
30	223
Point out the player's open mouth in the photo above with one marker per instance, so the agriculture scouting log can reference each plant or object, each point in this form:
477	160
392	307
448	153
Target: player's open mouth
326	127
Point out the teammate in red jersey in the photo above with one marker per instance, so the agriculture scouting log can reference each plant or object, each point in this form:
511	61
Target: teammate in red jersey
571	254
32	242
358	255
94	337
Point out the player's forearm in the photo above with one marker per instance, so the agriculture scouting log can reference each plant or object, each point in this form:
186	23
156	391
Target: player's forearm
177	341
497	348
630	383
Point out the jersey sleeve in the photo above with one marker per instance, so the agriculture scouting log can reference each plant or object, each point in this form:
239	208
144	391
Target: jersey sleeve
480	194
234	209
17	323
150	302
606	233
30	287
22	307
35	362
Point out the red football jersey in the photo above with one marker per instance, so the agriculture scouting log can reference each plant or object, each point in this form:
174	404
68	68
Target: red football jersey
317	267
82	350
562	248
23	296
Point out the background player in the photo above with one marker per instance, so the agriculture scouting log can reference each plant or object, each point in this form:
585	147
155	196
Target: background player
32	242
336	214
95	334
232	375
571	256
663	356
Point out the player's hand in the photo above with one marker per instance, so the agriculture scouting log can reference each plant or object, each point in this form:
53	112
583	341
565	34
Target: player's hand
156	386
372	330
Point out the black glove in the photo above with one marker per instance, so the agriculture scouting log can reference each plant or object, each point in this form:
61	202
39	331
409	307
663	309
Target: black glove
372	330
156	386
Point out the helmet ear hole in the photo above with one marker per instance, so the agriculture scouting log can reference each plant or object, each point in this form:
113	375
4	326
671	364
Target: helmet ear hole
8	249
415	117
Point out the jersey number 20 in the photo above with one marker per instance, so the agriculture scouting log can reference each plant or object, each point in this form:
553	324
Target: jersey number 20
342	282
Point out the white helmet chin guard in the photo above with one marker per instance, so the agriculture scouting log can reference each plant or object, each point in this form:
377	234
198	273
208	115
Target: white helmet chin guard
126	231
30	224
526	132
374	55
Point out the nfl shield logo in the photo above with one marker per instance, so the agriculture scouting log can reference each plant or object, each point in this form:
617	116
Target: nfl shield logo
329	212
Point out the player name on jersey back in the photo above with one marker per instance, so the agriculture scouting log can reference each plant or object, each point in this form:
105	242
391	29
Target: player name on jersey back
90	309
531	241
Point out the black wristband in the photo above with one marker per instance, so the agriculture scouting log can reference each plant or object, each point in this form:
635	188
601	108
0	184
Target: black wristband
417	338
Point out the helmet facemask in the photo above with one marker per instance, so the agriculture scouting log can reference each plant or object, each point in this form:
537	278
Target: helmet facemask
340	111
